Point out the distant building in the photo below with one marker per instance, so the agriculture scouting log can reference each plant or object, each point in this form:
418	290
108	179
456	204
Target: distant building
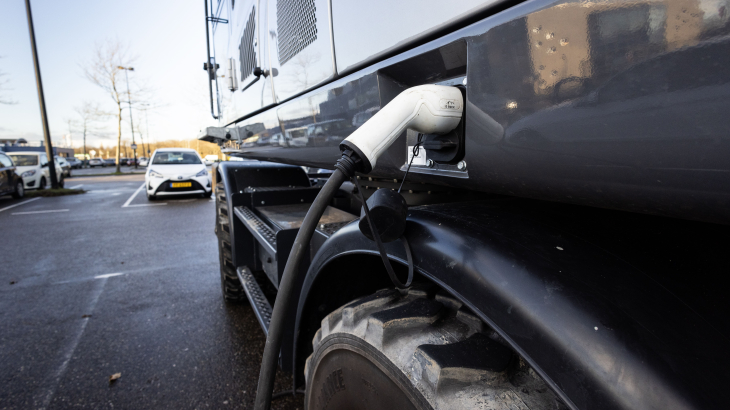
20	144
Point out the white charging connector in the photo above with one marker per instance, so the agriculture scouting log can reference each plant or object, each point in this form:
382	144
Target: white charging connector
428	109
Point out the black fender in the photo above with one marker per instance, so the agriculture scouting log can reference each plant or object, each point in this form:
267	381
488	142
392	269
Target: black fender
584	295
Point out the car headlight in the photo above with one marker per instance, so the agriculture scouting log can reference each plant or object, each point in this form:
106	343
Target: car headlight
202	173
28	173
155	174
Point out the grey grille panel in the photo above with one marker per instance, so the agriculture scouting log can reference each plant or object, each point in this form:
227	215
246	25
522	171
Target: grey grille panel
297	23
246	49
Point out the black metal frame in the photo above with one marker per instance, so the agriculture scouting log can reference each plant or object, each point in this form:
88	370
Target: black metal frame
240	180
211	66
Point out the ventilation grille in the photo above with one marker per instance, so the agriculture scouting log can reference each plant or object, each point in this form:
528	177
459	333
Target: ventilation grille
246	48
297	24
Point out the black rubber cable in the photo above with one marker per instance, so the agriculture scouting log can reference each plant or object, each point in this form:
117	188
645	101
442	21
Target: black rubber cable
381	248
285	296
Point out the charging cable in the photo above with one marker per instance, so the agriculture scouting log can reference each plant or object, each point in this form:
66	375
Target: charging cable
428	109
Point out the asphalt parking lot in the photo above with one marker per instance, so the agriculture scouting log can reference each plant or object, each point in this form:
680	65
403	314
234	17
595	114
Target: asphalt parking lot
105	282
106	170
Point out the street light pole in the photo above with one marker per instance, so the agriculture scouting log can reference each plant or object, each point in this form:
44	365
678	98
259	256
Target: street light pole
42	101
129	101
147	129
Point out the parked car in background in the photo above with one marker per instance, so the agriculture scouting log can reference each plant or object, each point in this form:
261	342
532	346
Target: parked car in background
10	180
74	162
97	162
144	161
65	166
110	162
177	171
124	160
33	168
328	133
131	161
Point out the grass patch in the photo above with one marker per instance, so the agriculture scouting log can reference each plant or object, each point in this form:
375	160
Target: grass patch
53	192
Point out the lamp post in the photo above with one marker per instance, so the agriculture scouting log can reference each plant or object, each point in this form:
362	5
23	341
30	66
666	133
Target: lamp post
129	101
147	130
42	101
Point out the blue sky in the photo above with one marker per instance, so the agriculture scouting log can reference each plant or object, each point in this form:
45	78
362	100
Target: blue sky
167	36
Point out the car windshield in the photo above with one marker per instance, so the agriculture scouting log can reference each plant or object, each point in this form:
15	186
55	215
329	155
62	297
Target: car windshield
25	160
175	157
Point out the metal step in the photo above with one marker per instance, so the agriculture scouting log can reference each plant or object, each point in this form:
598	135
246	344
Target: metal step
274	188
330	229
260	304
262	232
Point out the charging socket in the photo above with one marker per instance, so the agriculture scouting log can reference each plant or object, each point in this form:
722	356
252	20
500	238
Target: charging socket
447	148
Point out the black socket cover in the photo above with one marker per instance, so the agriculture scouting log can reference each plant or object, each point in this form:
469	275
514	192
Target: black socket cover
388	210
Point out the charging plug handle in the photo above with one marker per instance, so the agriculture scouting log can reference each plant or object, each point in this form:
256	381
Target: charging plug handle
428	109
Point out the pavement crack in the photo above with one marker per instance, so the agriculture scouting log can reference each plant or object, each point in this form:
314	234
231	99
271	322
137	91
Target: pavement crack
44	395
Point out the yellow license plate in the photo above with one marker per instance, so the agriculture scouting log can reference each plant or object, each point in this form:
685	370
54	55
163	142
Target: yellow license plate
181	184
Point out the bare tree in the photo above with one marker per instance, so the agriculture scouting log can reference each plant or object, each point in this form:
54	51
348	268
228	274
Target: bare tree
105	70
3	88
90	115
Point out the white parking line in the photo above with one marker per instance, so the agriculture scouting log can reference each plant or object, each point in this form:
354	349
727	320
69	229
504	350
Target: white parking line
44	394
77	186
19	203
162	203
108	275
131	198
40	212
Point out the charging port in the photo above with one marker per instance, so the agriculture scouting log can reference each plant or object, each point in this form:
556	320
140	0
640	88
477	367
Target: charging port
447	148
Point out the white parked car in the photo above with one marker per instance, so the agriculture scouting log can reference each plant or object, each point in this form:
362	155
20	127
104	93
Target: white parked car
97	162
33	168
144	161
177	171
65	165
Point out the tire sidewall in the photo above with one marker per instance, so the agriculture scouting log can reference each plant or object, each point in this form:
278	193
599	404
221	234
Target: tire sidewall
346	341
19	189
